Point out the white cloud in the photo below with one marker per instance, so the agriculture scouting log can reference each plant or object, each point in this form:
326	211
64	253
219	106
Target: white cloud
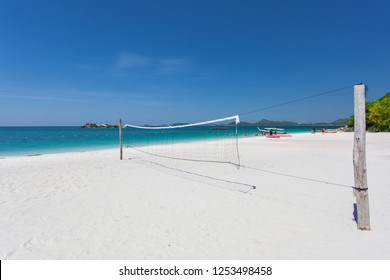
130	60
40	97
82	96
125	62
172	65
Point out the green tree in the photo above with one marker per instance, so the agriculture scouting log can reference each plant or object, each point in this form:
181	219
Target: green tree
351	121
369	123
379	113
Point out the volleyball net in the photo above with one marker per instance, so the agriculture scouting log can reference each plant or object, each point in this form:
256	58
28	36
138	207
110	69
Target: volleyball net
208	141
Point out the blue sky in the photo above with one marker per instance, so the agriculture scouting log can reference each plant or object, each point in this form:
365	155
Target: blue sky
155	62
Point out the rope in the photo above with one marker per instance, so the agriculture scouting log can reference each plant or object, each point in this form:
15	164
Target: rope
252	187
299	177
295	100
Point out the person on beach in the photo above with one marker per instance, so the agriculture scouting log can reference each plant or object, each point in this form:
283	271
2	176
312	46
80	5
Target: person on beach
313	130
323	130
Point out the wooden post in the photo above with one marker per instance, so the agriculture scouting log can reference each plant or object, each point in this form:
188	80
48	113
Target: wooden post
359	158
120	139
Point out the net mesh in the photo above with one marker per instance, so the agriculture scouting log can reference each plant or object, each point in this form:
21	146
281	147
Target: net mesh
209	141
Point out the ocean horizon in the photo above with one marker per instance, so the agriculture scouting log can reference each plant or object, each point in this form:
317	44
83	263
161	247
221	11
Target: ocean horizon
33	140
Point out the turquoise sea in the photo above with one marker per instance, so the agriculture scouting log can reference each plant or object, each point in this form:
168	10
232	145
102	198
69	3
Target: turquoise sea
21	141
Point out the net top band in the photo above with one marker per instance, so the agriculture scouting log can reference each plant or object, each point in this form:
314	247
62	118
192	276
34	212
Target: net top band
236	118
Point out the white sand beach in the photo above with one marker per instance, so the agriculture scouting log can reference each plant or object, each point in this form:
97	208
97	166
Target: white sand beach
91	205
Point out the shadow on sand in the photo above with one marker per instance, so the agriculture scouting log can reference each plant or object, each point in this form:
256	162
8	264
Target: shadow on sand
355	215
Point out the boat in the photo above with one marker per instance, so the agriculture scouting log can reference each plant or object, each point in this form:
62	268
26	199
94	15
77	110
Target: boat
271	131
276	130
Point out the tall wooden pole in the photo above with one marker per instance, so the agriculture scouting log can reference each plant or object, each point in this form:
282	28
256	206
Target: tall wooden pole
359	158
120	139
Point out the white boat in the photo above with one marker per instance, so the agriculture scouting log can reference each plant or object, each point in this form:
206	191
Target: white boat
271	131
276	130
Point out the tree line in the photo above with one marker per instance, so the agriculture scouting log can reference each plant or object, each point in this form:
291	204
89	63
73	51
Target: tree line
377	115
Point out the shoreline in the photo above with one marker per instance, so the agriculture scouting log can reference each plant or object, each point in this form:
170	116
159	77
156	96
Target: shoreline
67	142
63	150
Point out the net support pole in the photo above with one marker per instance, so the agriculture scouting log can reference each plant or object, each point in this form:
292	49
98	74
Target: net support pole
359	158
120	140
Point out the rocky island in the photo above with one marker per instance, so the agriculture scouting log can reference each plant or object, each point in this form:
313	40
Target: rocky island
94	125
